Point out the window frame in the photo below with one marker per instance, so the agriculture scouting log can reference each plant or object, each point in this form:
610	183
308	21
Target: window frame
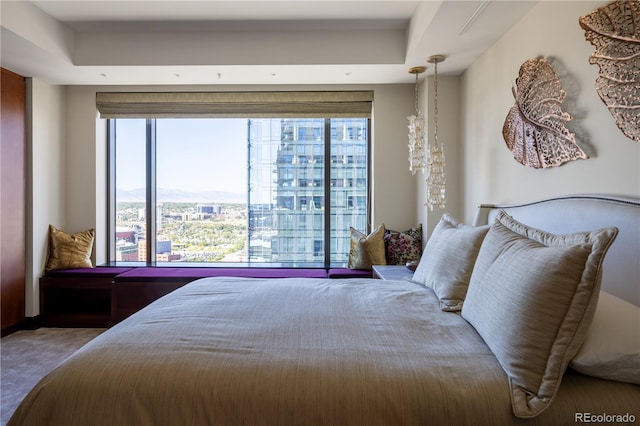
150	199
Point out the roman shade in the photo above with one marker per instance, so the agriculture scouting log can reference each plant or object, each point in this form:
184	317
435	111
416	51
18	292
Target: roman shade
352	104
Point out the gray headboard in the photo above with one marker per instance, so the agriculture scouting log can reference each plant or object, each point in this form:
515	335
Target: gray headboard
562	215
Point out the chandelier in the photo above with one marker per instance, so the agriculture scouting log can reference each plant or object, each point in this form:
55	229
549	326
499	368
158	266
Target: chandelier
416	131
435	152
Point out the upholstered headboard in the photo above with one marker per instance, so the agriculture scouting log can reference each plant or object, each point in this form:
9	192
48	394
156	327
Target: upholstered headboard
562	215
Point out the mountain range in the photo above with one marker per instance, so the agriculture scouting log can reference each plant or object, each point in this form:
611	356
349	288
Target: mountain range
180	196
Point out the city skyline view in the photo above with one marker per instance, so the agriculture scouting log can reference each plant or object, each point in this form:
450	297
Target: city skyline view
181	195
262	190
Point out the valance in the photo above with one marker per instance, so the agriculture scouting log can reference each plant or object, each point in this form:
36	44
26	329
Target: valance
320	104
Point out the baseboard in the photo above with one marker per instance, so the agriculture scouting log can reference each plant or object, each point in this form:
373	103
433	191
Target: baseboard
29	323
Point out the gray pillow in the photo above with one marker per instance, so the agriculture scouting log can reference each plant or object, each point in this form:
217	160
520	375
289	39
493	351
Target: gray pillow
447	261
531	297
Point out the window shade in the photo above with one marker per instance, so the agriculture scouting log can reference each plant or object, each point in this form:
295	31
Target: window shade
353	104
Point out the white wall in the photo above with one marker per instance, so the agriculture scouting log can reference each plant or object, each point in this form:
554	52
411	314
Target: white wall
46	191
394	188
449	124
86	168
489	172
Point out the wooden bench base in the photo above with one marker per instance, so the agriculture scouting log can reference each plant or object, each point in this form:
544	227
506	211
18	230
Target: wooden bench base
77	298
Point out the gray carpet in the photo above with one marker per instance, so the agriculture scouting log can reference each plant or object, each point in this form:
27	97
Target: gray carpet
28	355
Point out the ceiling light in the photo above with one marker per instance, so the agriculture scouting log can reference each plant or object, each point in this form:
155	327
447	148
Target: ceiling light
435	152
416	130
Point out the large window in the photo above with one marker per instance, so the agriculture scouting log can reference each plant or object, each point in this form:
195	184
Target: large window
262	190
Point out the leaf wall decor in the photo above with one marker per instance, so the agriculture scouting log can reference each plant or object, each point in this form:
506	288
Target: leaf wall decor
614	30
534	129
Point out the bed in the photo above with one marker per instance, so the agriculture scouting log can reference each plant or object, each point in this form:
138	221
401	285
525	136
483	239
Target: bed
365	351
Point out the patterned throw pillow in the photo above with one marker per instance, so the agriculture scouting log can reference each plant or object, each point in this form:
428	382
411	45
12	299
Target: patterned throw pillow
403	247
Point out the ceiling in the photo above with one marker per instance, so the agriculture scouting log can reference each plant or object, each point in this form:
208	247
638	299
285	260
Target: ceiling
247	42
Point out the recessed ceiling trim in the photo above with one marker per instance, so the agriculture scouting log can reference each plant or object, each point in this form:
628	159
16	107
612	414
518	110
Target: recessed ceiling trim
475	15
297	54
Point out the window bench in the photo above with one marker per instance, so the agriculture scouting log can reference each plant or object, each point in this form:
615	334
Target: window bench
103	296
77	297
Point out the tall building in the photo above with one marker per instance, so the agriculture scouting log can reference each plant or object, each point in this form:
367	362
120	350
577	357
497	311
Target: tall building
163	251
287	167
207	210
349	177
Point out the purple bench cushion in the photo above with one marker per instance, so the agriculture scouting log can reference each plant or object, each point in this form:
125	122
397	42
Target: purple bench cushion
349	273
162	273
99	271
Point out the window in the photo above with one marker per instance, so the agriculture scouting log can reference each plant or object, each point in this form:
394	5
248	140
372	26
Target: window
249	190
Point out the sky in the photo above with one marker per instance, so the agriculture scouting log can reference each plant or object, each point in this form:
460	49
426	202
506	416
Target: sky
192	154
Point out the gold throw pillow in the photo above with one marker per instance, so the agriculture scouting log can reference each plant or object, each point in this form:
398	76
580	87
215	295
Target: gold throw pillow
367	250
69	251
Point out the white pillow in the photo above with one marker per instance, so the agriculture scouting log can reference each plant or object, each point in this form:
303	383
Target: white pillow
612	347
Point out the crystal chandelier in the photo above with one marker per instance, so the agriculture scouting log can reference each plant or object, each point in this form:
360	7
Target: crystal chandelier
416	131
435	153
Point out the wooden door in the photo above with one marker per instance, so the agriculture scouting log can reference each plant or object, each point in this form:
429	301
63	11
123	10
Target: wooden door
12	199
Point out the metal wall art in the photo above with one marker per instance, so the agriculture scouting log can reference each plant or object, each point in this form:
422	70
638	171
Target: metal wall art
534	129
614	30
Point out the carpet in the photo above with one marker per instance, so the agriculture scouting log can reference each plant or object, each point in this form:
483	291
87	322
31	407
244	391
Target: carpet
28	355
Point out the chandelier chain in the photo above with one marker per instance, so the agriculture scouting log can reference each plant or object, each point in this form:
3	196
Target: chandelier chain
435	108
415	101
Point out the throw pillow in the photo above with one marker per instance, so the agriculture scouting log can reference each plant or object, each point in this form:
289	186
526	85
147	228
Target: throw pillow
367	250
448	260
403	247
611	350
531	298
69	251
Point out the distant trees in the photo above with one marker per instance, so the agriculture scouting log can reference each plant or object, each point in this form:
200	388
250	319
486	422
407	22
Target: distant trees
203	240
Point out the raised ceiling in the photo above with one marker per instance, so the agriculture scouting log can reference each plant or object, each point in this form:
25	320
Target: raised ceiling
246	42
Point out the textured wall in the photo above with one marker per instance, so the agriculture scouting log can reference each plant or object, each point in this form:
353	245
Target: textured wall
489	172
